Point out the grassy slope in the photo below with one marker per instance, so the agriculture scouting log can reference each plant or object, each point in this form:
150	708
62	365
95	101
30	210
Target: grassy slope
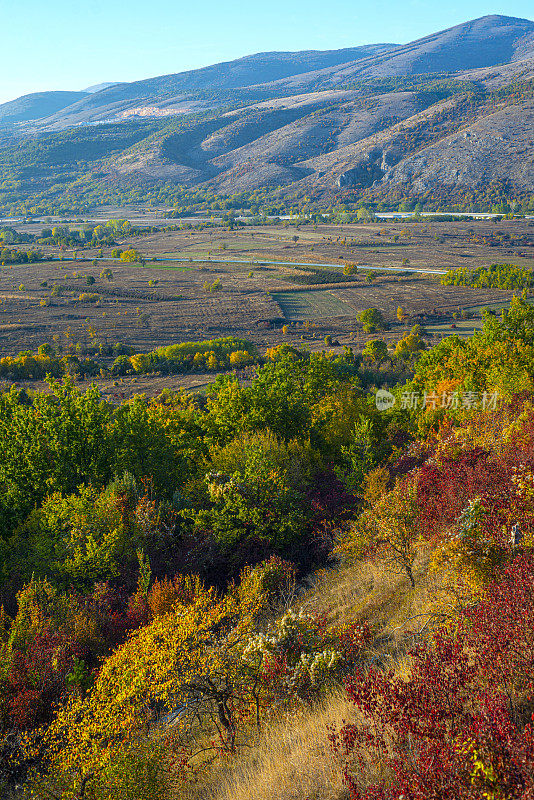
292	759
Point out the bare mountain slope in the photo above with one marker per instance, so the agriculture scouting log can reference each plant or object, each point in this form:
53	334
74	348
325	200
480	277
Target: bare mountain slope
34	106
326	141
454	109
498	147
484	42
207	83
288	153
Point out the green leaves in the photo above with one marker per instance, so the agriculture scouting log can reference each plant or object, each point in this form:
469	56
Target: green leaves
52	443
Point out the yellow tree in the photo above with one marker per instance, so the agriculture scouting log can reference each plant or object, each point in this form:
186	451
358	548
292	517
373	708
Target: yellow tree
184	664
389	529
187	687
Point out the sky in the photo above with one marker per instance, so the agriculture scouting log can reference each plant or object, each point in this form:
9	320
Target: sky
73	44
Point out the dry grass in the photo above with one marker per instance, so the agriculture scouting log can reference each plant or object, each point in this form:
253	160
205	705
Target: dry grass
292	760
370	590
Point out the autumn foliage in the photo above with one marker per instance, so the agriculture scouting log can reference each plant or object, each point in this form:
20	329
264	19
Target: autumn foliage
460	726
155	564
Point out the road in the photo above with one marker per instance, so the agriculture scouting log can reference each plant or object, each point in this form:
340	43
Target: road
258	263
147	220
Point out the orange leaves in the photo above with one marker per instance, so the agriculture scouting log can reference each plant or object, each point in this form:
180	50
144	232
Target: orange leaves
167	593
203	666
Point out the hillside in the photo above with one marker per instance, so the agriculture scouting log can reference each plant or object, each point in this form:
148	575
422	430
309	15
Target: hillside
37	105
168	92
484	42
279	588
442	117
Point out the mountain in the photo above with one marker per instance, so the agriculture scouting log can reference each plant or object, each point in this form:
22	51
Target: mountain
167	92
447	114
36	105
483	42
99	86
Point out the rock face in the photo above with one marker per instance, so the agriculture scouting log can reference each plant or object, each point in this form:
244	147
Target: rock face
454	109
499	147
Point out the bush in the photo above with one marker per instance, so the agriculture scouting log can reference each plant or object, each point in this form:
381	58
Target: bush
375	350
411	345
131	256
454	709
89	297
213	287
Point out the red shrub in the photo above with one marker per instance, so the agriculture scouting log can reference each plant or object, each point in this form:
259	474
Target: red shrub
451	730
443	490
37	678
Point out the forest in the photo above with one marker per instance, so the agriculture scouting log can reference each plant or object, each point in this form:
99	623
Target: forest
496	276
168	569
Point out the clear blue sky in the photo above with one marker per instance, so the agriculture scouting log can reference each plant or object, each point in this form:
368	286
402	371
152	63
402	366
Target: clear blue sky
72	44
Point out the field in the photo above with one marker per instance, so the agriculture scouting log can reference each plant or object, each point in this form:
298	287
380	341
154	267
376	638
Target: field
164	302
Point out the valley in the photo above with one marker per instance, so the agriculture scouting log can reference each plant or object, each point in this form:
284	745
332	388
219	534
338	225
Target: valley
267	407
275	283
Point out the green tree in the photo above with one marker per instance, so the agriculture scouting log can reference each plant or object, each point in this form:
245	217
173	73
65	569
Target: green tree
411	345
375	350
372	320
53	443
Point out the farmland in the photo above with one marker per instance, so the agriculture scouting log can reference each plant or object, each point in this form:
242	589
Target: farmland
144	306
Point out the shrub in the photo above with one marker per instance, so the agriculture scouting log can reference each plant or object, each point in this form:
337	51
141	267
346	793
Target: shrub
166	593
131	256
454	712
375	350
411	345
213	287
240	358
372	320
89	297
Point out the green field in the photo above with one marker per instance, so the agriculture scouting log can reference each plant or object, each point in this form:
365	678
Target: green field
311	305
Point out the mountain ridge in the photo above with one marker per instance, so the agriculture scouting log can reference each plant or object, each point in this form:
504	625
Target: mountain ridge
486	41
32	106
375	125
